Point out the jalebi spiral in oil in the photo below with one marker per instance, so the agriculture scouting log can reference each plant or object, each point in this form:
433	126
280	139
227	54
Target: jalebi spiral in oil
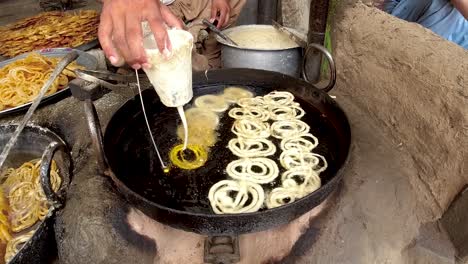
233	94
280	196
215	103
202	124
199	134
289	128
198	157
278	98
232	197
284	112
300	142
252	112
251	128
252	102
296	183
248	148
257	170
304	180
292	158
202	115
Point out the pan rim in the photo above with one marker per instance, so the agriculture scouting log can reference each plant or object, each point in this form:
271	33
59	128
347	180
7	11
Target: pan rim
335	177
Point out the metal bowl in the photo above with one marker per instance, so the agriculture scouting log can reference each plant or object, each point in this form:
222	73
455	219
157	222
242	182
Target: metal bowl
36	142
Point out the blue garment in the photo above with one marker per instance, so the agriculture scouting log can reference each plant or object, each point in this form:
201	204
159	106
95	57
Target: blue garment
440	16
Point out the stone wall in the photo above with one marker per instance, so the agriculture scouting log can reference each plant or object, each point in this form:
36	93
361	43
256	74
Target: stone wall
415	85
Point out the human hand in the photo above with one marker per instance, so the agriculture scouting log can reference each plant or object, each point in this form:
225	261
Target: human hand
220	10
461	6
121	35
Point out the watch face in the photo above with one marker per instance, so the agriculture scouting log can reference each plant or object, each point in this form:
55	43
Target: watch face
167	2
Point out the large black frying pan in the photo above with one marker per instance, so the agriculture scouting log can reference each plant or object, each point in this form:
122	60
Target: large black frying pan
33	143
179	199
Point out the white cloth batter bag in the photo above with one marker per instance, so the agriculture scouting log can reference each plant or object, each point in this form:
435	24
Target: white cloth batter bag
171	77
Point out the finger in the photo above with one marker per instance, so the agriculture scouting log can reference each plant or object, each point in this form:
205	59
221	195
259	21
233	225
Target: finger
160	32
134	35
214	12
222	18
105	38
119	37
171	19
228	17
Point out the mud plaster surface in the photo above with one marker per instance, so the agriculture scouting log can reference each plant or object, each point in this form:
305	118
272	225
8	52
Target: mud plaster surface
414	85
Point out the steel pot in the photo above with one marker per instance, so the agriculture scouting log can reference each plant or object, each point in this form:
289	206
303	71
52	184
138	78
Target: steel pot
287	61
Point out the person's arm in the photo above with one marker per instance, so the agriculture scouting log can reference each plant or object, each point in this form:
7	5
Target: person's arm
120	32
461	6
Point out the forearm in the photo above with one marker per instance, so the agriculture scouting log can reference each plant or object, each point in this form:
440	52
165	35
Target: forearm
461	6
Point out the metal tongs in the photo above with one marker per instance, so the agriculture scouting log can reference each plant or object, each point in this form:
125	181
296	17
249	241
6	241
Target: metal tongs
291	35
88	79
218	32
102	78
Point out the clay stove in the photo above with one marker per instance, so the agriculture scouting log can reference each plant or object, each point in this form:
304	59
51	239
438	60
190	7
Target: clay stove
270	246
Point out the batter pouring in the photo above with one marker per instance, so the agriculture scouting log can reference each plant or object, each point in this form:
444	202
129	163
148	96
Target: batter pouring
171	76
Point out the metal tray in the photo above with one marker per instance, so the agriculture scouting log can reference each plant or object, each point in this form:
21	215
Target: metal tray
84	59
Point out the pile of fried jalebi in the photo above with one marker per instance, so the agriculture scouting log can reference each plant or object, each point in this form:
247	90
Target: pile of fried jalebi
49	30
25	204
5	228
21	80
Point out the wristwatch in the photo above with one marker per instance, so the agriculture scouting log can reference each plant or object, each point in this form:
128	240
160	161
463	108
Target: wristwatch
167	2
